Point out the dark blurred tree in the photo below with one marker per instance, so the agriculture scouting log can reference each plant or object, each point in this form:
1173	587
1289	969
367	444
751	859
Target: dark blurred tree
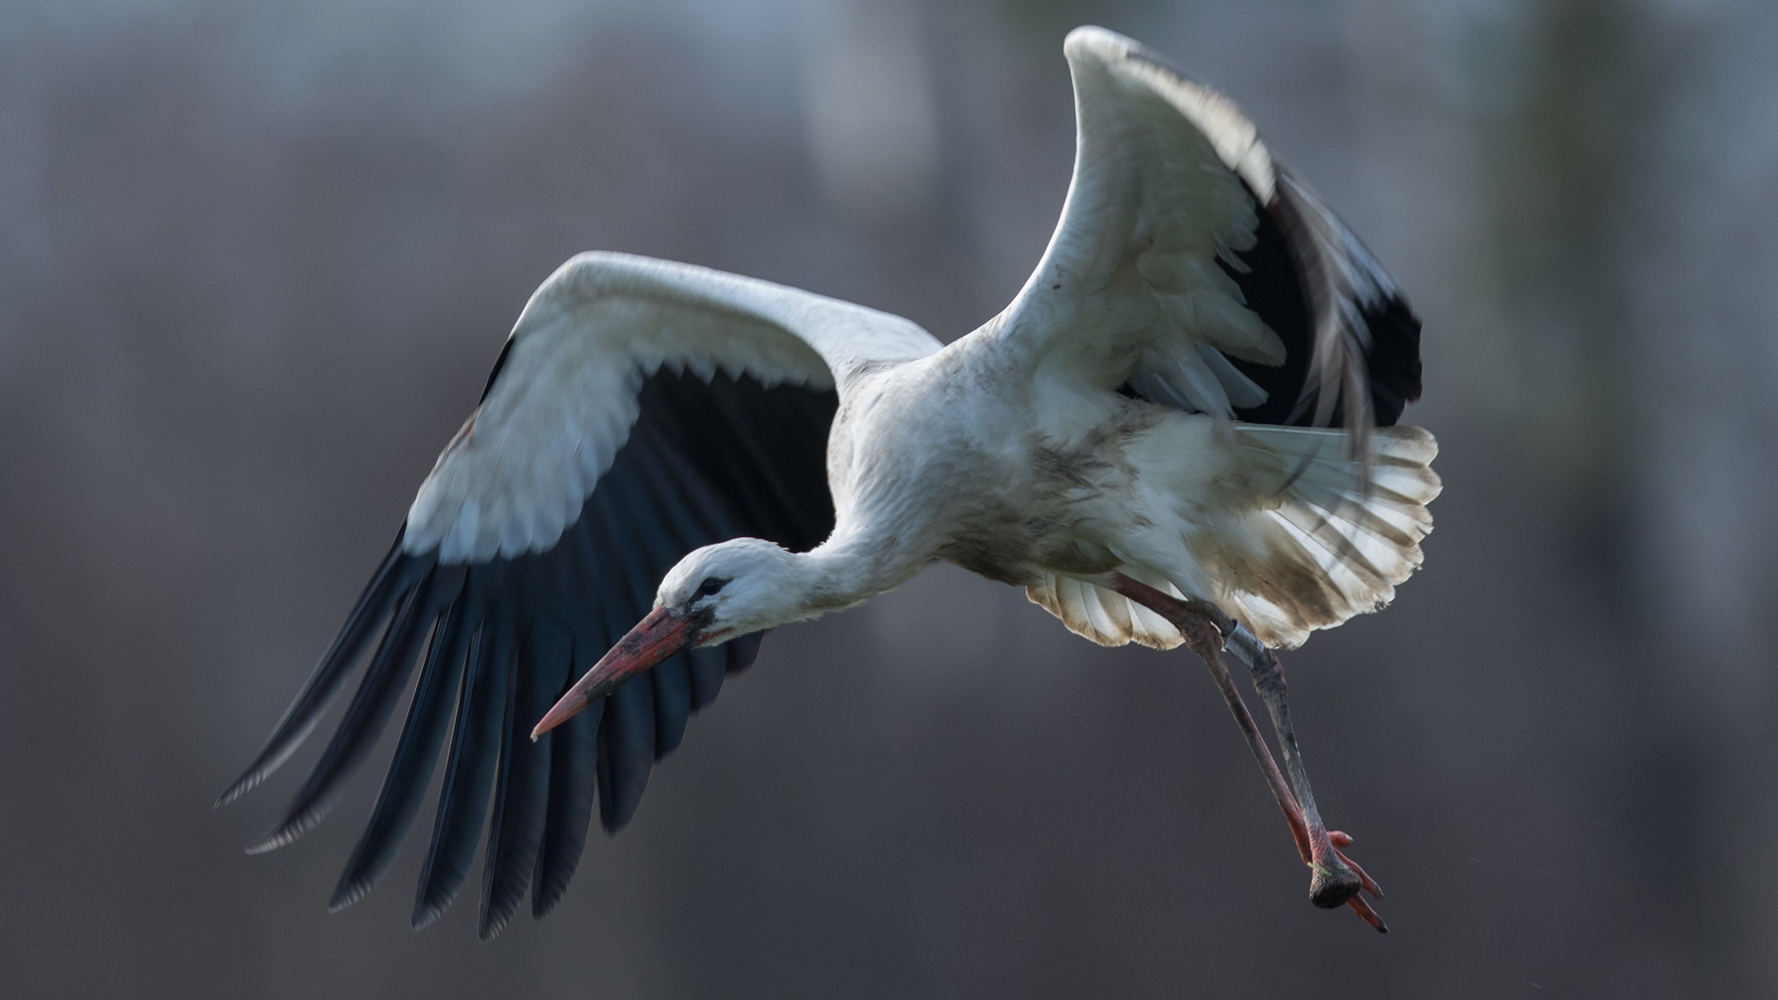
1571	138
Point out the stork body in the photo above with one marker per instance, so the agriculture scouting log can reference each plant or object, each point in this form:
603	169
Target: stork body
1179	431
952	457
962	457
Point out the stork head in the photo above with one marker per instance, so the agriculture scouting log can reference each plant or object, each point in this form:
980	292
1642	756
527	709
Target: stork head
714	594
735	587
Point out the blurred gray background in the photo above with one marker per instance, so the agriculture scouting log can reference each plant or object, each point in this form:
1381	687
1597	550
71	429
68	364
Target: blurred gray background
256	259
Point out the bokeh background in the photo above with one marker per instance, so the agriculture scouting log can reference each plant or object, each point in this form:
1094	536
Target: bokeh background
257	257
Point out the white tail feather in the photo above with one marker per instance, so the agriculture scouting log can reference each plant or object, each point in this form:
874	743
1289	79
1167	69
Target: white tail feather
1315	549
1328	548
1104	616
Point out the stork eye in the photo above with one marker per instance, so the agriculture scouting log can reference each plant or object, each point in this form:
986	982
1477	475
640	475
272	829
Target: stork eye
710	586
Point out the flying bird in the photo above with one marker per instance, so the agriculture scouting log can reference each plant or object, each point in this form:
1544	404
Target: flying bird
1182	430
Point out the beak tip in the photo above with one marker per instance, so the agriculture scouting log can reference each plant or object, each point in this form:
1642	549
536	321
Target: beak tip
652	640
558	713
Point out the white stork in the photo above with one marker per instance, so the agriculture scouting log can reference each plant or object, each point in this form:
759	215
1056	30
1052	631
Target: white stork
1181	430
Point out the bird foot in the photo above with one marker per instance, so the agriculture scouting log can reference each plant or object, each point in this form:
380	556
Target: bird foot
1335	880
1333	883
1336	840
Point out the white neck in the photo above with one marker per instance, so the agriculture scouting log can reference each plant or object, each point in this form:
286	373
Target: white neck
851	567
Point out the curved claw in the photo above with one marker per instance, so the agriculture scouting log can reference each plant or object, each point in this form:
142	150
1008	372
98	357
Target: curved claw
1364	911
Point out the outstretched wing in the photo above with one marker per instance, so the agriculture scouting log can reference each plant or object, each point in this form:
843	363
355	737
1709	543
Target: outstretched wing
1193	270
640	409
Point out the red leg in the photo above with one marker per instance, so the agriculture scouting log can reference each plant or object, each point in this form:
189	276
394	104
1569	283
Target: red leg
1335	880
1293	813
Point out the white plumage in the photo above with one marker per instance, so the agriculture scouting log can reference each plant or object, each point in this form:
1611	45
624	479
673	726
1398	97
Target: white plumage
565	397
1309	549
1138	409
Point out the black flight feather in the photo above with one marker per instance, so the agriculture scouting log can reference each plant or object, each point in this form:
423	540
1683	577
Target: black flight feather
522	799
475	750
404	786
705	462
742	650
371	707
397	574
626	751
573	768
627	734
707	669
573	785
1275	286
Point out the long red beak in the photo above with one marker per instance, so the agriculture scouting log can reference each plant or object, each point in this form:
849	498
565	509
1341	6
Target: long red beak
656	637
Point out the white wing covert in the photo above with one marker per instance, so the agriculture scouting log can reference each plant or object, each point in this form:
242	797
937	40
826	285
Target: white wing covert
564	394
640	409
1191	269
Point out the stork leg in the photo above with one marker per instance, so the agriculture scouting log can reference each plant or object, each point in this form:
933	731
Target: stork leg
1335	879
